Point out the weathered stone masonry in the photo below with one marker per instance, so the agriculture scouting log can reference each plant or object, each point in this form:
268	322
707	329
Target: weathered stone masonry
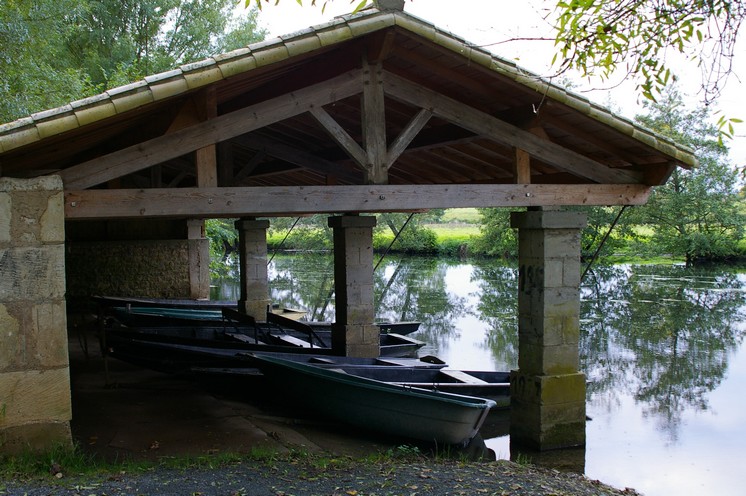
547	391
35	407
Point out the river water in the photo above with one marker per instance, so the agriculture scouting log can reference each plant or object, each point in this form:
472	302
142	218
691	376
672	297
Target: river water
660	345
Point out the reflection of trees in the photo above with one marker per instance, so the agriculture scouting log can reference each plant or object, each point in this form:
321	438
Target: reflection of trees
659	334
304	281
662	334
498	308
409	288
414	288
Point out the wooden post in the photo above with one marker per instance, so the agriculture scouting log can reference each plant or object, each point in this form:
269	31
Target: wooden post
374	124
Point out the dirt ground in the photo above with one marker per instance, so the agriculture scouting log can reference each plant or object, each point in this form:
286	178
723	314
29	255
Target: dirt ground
143	414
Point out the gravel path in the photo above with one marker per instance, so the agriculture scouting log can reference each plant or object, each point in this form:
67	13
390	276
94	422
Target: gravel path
286	478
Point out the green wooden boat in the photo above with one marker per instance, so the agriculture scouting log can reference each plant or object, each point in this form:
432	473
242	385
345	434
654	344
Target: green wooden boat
433	416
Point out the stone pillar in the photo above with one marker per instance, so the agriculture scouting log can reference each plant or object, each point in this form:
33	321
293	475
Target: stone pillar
35	407
252	247
199	259
354	332
547	391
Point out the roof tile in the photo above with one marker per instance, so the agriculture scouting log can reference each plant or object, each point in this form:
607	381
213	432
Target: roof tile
56	121
302	44
271	54
131	96
201	73
235	62
167	84
93	109
18	133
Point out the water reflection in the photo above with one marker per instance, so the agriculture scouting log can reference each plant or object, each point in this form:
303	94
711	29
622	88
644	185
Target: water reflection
660	334
656	342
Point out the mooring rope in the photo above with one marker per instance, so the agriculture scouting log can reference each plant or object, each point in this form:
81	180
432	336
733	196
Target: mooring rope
603	241
396	236
274	252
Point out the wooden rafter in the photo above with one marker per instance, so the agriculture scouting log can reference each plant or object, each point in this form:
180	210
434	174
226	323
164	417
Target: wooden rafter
495	129
157	150
298	157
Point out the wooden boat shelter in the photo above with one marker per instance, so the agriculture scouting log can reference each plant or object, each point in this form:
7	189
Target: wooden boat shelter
374	112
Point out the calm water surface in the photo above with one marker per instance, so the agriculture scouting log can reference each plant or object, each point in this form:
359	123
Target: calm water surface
662	347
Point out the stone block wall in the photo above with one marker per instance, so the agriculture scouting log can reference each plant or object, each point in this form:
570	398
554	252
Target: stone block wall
155	269
35	407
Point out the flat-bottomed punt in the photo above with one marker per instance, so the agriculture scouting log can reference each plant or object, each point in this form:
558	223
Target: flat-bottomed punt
432	416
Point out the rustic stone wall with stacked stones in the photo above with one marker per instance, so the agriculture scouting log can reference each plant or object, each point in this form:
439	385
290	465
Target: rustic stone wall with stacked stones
35	407
155	269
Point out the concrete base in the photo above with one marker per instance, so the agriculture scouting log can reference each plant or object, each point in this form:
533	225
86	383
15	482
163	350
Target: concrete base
368	347
36	438
547	412
255	308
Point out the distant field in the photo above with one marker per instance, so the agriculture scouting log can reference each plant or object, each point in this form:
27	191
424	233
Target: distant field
467	215
457	231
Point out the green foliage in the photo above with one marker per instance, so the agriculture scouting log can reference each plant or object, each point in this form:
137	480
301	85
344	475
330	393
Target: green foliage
118	42
497	237
55	52
697	213
36	72
223	237
597	37
360	3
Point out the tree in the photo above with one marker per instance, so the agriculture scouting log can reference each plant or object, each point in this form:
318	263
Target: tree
118	42
54	52
697	213
35	68
597	37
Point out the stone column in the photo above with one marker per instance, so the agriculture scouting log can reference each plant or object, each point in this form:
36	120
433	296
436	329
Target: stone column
354	332
199	259
35	407
252	247
547	391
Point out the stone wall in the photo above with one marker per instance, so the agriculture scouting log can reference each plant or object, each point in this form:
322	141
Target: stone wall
35	407
139	257
155	269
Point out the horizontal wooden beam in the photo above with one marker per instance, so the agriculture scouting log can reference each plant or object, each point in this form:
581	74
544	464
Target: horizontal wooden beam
221	128
295	200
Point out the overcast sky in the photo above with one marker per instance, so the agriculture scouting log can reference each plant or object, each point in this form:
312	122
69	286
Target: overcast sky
492	24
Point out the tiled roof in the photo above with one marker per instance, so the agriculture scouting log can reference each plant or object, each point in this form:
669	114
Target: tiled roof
205	72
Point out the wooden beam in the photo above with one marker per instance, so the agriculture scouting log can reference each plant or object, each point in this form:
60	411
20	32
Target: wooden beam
206	164
521	166
295	200
500	131
206	159
224	127
340	136
374	124
381	46
406	136
249	166
300	158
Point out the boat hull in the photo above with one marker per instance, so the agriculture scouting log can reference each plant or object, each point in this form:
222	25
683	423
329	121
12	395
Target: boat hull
176	350
431	416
